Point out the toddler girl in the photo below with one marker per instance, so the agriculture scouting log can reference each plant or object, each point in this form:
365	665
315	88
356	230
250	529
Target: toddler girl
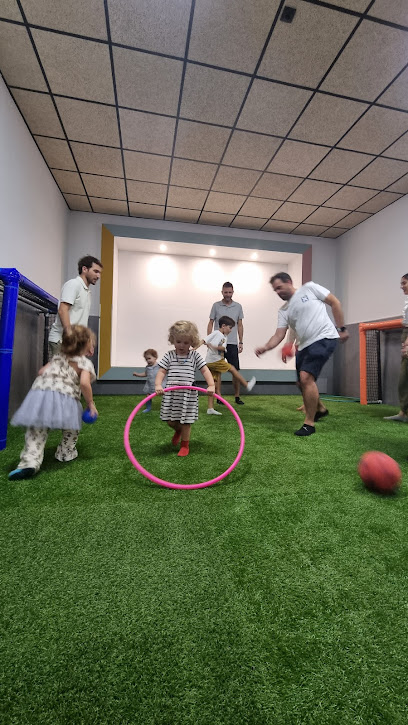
54	402
179	408
151	370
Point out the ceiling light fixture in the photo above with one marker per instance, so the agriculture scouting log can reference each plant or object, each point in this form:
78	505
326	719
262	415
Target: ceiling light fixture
212	252
163	248
254	255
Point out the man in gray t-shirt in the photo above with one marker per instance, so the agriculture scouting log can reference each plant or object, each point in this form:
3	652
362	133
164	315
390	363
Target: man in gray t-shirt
228	306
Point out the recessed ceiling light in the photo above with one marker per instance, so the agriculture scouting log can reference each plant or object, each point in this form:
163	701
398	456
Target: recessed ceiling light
163	248
254	255
212	252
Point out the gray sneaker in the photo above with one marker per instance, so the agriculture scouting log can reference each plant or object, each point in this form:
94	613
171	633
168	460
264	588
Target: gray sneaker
251	384
397	418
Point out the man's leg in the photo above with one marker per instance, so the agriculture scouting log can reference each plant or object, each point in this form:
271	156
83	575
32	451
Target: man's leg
53	349
310	395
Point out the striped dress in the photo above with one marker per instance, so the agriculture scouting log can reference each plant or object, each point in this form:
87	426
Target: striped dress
180	405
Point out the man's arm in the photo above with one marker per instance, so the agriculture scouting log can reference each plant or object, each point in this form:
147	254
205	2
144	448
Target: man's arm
240	328
63	311
338	315
210	326
273	342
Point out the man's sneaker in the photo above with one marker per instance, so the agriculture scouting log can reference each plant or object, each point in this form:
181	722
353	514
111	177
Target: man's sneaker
211	411
20	473
251	384
397	418
238	401
220	402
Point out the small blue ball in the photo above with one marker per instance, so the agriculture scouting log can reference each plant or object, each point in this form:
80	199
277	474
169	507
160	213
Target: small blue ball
87	416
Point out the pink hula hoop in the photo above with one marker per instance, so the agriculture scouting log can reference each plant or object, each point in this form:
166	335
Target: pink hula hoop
168	484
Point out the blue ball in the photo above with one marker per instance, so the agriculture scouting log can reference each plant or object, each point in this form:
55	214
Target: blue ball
87	416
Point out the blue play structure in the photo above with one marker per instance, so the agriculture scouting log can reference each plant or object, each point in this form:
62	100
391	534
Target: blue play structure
16	287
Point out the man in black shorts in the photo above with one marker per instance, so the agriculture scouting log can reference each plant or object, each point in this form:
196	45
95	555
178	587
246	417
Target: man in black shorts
228	306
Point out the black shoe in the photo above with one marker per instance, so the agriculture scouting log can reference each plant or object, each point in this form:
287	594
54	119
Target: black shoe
20	474
305	430
238	401
220	402
321	414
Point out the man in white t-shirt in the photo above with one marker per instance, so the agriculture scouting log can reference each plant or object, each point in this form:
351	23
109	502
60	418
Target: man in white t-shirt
305	312
75	301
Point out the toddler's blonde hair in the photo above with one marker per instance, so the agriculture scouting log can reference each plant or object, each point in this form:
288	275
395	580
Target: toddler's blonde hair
184	328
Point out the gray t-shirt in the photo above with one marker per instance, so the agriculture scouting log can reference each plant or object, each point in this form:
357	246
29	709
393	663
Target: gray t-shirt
234	310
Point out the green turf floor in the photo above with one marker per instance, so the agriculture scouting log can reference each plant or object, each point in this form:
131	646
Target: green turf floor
276	597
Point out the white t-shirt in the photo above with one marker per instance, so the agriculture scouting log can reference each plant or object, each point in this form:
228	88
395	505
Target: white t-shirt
77	294
306	313
217	339
405	312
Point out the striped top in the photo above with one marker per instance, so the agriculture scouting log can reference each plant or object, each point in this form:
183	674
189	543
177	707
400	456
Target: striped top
180	405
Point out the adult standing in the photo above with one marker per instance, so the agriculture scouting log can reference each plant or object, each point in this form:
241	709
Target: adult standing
306	313
228	307
75	301
402	416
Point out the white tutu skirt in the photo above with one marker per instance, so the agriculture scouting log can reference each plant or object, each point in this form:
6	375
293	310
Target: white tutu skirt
49	409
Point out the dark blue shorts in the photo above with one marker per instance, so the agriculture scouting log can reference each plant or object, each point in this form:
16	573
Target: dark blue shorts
231	355
312	358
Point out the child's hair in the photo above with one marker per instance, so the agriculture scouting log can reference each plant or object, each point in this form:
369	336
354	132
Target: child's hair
74	342
226	321
151	352
184	328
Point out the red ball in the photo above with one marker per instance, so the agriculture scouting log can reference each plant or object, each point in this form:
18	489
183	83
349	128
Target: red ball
379	472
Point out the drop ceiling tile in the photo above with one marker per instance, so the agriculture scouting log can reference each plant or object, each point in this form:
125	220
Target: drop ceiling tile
399	149
395	11
68	181
77	202
356	217
98	159
151	24
193	174
309	230
272	107
147	132
358	5
302	51
350	197
334	232
146	211
376	130
18	62
9	9
381	173
291	212
250	150
200	141
383	199
39	112
182	215
326	119
109	206
76	67
314	192
56	153
400	186
326	216
235	181
210	95
258	207
276	186
247	222
276	226
146	193
340	166
104	186
147	167
186	198
219	220
82	18
231	34
295	157
147	82
88	122
224	203
397	93
355	74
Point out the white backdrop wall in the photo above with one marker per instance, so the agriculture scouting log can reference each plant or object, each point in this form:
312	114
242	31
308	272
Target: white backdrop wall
371	260
155	290
32	210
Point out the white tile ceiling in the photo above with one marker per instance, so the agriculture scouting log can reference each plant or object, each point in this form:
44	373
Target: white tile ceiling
216	111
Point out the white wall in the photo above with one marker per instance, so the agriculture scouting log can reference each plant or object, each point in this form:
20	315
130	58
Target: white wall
33	212
155	290
371	260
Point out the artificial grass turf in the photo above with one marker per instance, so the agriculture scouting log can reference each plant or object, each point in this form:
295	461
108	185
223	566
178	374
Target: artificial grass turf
277	596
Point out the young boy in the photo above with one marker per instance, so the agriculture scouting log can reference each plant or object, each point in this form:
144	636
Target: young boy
216	362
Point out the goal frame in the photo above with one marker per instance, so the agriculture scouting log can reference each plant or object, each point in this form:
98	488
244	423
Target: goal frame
363	327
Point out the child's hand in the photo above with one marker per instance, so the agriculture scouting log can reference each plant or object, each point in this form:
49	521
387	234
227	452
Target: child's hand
159	390
92	409
211	390
212	347
136	374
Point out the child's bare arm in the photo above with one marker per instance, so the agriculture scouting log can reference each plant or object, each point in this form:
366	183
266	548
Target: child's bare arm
159	380
206	373
86	390
140	375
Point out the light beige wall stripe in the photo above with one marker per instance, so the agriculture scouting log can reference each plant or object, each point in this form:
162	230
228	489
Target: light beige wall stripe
105	323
